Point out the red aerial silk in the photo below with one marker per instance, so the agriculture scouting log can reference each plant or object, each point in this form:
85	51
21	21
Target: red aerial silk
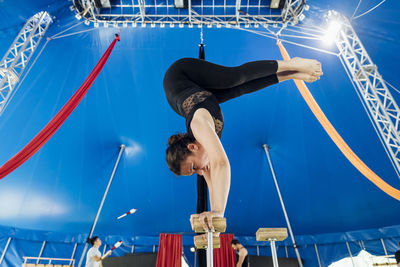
51	128
170	251
225	255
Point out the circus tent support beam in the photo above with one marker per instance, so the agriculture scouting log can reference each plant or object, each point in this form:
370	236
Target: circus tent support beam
18	55
370	85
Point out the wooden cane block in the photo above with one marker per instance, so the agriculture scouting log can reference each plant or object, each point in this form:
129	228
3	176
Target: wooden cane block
266	234
218	223
201	243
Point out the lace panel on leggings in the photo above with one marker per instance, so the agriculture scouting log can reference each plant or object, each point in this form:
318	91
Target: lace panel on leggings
198	97
193	100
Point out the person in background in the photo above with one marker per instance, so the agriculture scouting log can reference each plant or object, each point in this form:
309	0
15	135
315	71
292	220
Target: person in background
397	256
242	255
93	256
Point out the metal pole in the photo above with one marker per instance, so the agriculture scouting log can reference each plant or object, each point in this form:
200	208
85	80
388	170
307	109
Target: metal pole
362	246
266	149
73	253
273	252
195	257
351	255
316	251
190	11
258	250
121	150
384	247
5	250
133	249
41	252
210	249
286	252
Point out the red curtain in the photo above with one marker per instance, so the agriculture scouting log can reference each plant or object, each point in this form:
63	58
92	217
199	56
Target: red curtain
169	251
225	255
51	128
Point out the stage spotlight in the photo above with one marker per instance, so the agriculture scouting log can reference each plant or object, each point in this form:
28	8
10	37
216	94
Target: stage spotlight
277	4
102	3
181	3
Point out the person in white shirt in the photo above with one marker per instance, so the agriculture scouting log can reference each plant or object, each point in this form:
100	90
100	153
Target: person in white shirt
93	256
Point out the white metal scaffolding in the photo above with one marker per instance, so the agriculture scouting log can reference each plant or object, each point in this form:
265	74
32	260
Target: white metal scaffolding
202	12
18	55
370	86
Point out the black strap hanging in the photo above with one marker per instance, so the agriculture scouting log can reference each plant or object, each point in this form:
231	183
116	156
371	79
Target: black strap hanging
202	194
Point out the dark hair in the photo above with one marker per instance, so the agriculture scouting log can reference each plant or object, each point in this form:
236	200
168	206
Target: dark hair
235	242
399	243
177	151
92	240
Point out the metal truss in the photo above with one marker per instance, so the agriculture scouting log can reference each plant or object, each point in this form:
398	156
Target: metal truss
371	87
199	12
18	55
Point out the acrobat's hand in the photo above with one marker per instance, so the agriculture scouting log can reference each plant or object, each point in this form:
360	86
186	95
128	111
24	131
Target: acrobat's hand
205	219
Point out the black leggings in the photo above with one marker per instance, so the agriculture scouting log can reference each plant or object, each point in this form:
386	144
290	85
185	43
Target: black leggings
224	82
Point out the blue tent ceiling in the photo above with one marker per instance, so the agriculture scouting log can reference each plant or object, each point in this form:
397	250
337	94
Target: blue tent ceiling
60	188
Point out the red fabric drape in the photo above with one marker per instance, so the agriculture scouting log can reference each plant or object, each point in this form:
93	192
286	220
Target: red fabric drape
225	255
49	130
170	251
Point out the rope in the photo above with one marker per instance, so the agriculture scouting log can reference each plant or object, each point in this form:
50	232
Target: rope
365	13
73	26
394	88
74	33
289	42
355	11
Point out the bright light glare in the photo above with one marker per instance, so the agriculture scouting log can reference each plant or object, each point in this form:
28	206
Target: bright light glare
332	32
14	203
131	147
